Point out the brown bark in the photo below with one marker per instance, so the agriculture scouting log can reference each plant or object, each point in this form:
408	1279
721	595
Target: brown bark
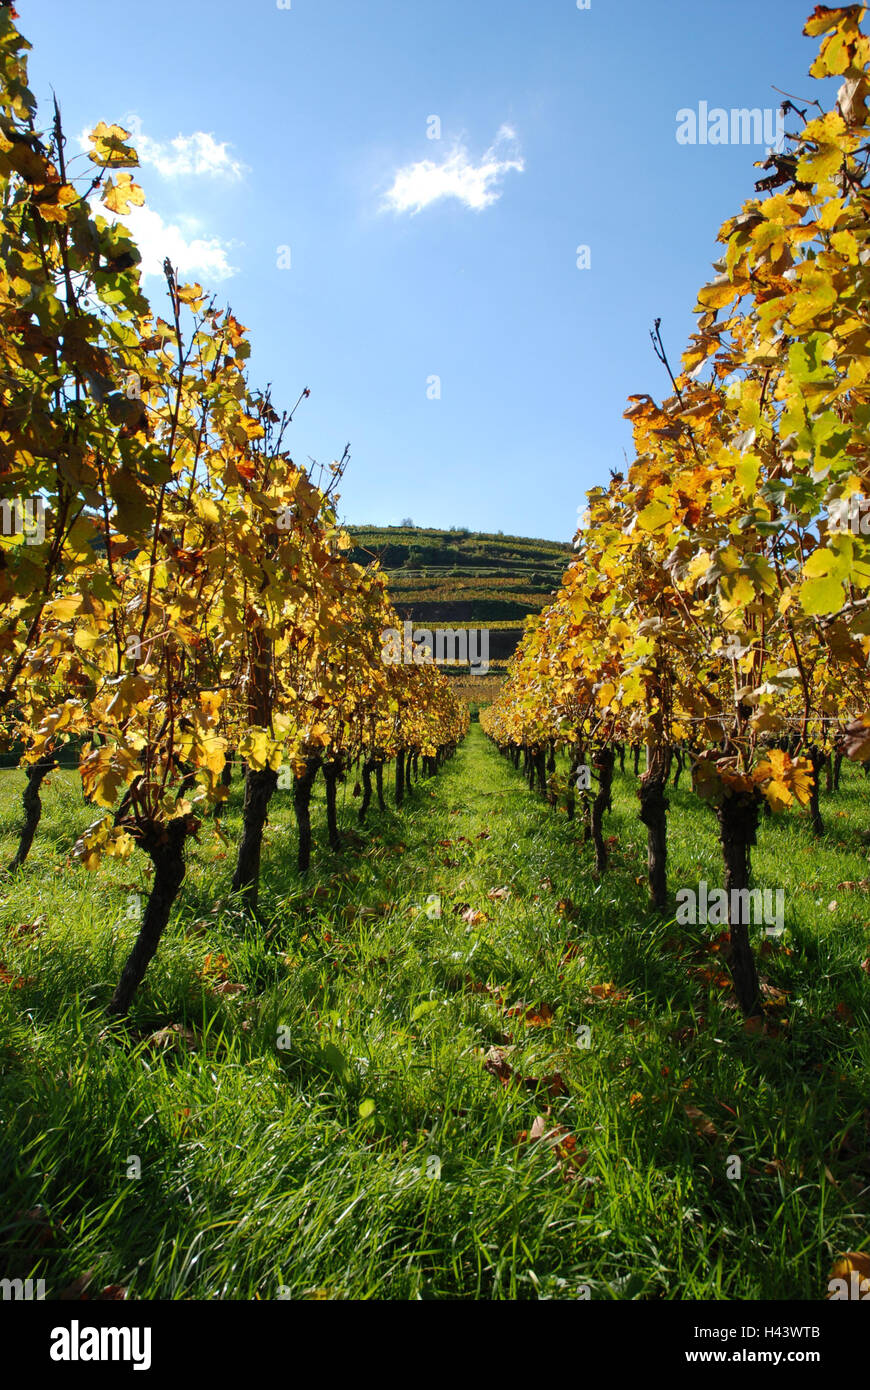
653	813
541	771
226	782
678	757
164	845
400	777
32	807
817	758
738	823
302	785
604	764
368	766
332	774
259	788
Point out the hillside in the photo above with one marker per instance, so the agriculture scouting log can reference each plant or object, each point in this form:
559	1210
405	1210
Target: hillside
462	578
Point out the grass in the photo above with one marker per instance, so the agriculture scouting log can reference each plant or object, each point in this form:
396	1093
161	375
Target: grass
361	1120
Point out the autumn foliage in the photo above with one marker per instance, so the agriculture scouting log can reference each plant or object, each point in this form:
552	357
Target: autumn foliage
185	600
718	603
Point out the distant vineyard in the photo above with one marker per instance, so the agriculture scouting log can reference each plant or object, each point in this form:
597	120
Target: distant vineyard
463	580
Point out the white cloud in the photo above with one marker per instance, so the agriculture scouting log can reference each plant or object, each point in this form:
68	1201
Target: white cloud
183	239
186	156
196	154
205	257
477	186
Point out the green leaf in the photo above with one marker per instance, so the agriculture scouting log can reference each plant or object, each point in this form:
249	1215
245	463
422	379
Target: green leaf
426	1007
334	1059
135	511
821	596
654	517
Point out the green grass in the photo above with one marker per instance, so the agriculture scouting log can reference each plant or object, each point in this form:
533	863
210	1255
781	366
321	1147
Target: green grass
299	1168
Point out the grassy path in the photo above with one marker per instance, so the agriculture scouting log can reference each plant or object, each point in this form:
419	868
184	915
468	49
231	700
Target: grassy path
540	1092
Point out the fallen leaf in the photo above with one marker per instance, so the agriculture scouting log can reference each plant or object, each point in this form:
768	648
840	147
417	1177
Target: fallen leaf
562	1142
215	965
857	1262
173	1036
34	928
701	1123
539	1018
777	998
46	1228
76	1290
496	1063
554	1084
775	1165
608	991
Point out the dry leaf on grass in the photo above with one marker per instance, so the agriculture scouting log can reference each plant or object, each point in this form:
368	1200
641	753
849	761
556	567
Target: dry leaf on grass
606	991
34	928
559	1139
701	1123
857	1263
43	1229
496	1063
554	1084
174	1035
7	978
79	1290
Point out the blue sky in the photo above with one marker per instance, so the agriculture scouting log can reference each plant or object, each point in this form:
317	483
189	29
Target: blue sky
308	128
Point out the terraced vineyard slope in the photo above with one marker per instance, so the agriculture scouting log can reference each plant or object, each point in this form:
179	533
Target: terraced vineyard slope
462	578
